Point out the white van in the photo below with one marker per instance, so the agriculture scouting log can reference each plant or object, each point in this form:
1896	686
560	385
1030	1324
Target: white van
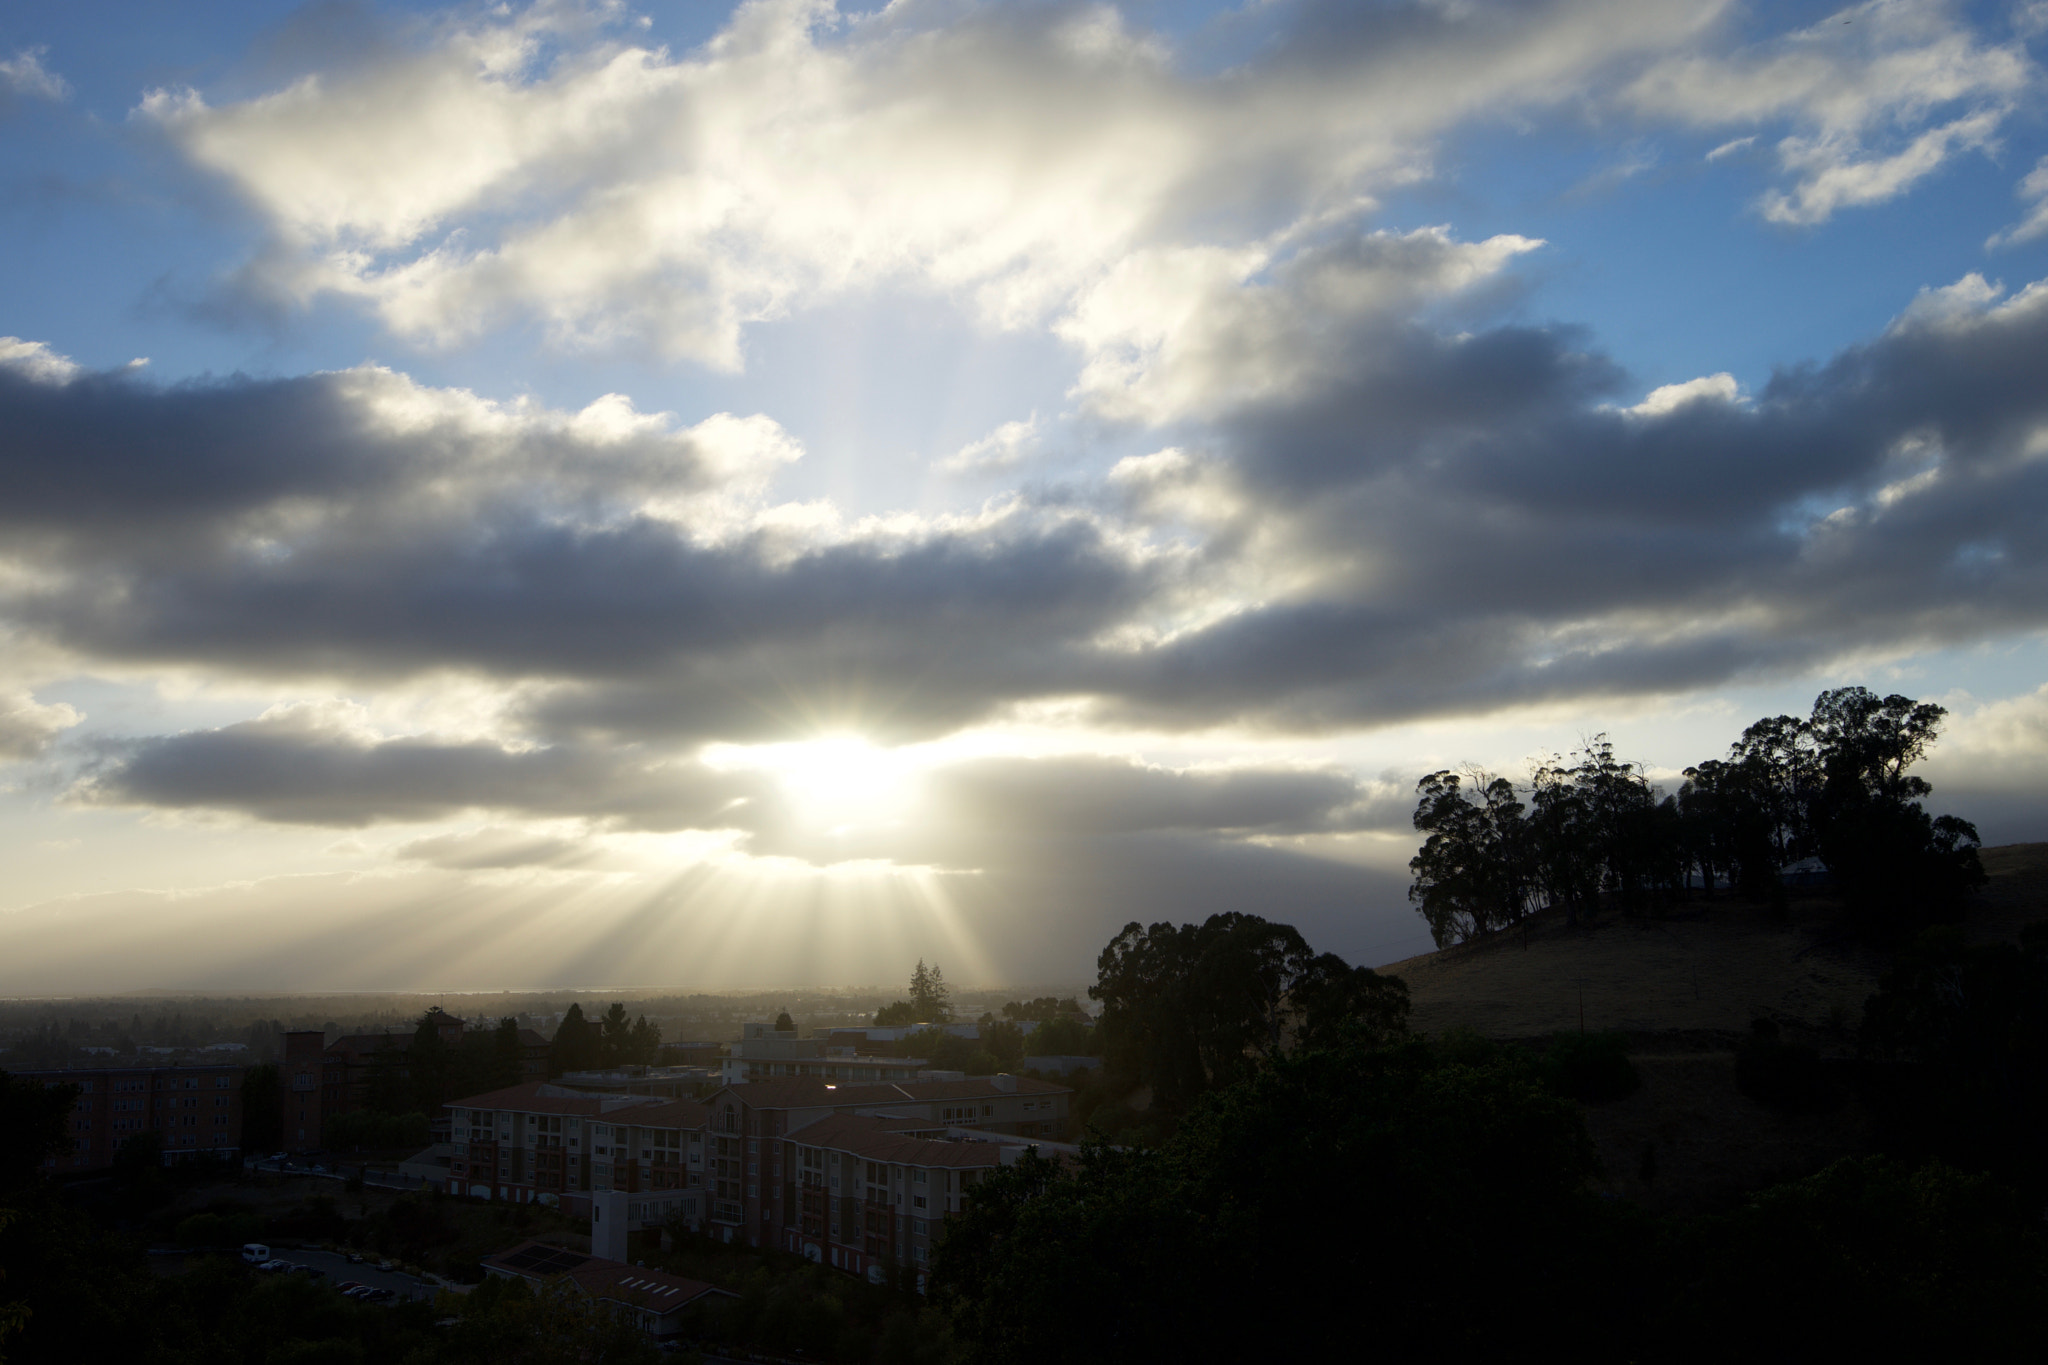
255	1253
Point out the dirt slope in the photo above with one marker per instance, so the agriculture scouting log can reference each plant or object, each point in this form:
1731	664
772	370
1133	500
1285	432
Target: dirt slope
1687	985
1709	967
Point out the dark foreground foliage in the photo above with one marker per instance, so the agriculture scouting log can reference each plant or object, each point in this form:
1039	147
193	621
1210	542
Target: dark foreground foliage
1430	1201
1347	1194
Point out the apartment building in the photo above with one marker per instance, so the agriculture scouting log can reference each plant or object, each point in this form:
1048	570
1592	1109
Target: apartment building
865	1193
749	1181
546	1143
722	1165
195	1110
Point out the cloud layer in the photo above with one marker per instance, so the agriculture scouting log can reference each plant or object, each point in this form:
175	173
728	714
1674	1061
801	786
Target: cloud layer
513	640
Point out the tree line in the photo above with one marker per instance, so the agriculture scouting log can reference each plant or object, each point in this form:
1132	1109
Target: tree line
1590	830
610	1040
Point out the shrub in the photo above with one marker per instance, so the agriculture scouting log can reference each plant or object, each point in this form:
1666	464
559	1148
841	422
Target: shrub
1783	1075
1590	1066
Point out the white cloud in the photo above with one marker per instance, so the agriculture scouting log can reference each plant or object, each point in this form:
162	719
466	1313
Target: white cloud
1008	446
523	163
1196	331
25	74
1834	175
27	726
37	361
1862	86
1666	398
2033	191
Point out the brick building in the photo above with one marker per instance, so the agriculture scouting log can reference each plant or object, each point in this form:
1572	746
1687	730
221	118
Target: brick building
195	1110
324	1080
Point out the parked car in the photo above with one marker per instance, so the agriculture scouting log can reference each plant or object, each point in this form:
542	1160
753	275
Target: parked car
386	1265
311	1272
355	1258
255	1253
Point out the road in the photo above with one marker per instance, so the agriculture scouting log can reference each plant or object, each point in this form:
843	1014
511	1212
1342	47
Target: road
388	1180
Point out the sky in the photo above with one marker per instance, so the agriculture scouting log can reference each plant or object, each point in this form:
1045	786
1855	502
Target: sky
612	494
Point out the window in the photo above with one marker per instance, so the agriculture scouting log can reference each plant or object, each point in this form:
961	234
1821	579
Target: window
917	1201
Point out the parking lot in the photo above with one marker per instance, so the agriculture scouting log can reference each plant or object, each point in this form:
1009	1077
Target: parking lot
336	1269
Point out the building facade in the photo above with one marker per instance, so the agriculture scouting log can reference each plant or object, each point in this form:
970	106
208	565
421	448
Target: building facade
730	1166
546	1143
194	1110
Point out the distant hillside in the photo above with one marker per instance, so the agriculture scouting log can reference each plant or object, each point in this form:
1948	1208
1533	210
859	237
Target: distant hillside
1686	985
1712	965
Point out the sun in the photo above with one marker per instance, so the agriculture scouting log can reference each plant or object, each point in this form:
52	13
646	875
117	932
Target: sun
842	769
839	781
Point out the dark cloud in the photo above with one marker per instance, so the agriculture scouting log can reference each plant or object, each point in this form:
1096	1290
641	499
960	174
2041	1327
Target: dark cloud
309	766
317	766
1530	544
1479	524
356	526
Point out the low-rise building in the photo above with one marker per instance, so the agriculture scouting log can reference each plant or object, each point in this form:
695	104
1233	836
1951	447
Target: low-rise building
654	1300
765	1052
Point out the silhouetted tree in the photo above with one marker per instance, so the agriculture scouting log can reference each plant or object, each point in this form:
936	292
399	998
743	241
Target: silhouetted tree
1474	872
576	1045
508	1055
928	994
1187	1007
262	1109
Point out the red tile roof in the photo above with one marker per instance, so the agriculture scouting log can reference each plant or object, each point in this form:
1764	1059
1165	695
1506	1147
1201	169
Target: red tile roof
528	1099
667	1114
879	1139
808	1092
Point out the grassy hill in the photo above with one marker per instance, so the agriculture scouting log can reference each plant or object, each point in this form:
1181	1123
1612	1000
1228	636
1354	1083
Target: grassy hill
1685	985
